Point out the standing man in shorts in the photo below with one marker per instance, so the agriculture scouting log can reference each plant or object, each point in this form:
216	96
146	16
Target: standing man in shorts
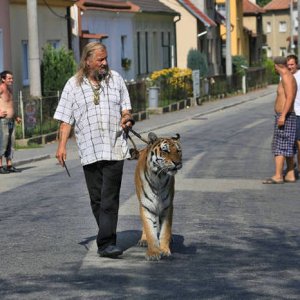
292	64
283	144
7	122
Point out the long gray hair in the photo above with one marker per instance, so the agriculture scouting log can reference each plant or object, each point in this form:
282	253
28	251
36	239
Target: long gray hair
87	52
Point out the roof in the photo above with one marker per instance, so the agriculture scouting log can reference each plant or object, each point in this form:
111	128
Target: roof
197	13
250	8
278	5
154	6
102	5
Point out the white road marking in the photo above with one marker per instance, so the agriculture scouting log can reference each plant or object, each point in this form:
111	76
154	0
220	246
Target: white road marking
217	185
190	164
255	124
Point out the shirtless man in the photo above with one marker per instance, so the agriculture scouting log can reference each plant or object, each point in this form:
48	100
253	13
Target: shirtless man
7	122
283	145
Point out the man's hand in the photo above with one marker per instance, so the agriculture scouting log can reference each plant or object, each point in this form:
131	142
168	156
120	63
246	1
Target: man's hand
61	155
64	133
127	120
18	120
3	113
281	121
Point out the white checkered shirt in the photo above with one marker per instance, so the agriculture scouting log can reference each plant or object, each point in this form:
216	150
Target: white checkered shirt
98	131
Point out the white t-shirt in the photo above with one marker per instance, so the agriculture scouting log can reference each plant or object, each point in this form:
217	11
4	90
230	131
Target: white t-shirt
98	130
297	100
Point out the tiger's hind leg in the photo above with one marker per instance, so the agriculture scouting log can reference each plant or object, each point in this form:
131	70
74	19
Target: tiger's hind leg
165	236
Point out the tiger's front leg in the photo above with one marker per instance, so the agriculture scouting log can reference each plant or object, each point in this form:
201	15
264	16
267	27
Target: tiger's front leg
165	236
150	230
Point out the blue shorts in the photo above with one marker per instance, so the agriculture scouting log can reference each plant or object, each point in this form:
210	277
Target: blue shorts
298	128
283	143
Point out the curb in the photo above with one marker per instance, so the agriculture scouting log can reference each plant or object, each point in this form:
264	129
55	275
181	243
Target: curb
29	160
206	112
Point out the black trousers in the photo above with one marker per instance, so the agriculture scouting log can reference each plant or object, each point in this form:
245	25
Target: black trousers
103	179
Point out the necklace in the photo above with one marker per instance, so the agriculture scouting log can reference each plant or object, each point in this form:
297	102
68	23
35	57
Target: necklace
96	92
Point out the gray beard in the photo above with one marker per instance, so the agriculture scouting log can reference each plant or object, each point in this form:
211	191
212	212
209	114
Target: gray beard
100	75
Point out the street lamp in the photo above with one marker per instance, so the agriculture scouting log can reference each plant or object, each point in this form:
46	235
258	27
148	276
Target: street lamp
202	33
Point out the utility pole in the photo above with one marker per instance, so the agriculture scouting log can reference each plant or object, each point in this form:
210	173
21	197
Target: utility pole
298	43
292	26
228	43
33	43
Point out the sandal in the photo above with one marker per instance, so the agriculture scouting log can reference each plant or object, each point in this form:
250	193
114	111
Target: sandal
272	181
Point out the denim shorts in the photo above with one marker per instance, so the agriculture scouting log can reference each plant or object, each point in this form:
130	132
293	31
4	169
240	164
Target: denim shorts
7	137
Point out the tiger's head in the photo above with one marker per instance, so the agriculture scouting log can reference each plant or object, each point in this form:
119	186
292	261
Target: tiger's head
165	154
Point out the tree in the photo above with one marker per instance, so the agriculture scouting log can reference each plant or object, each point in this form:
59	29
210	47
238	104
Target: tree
197	60
262	3
58	65
239	63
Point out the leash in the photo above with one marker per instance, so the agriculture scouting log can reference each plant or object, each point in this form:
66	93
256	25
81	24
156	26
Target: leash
137	135
134	152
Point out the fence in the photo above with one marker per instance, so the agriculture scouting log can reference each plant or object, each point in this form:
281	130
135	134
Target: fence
37	115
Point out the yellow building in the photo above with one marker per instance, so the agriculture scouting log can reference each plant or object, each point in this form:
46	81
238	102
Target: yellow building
238	39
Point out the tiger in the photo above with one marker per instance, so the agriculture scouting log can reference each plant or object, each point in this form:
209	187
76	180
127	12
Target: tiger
156	167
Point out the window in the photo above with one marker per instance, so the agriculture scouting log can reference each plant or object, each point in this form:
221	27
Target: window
139	52
269	52
282	52
166	46
221	8
282	26
143	52
146	51
269	27
25	66
54	43
123	42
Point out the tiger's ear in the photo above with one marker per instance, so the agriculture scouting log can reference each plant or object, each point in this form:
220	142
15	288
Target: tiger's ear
152	137
176	137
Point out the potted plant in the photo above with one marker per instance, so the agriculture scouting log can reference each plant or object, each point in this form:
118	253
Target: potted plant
126	63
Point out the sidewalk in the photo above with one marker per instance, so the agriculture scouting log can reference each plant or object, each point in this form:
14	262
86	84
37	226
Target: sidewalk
154	122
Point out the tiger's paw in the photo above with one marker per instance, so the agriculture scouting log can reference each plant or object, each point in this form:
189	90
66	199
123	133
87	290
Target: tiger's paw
166	252
142	243
153	255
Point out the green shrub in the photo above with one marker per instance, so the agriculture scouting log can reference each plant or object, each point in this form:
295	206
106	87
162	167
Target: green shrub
272	76
58	65
238	61
197	60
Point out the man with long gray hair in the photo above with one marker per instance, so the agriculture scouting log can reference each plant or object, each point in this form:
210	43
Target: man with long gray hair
96	101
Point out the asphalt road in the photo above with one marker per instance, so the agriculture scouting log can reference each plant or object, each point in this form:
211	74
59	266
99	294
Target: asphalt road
233	237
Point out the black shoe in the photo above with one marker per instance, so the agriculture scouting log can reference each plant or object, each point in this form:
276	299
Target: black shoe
12	169
3	171
110	251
